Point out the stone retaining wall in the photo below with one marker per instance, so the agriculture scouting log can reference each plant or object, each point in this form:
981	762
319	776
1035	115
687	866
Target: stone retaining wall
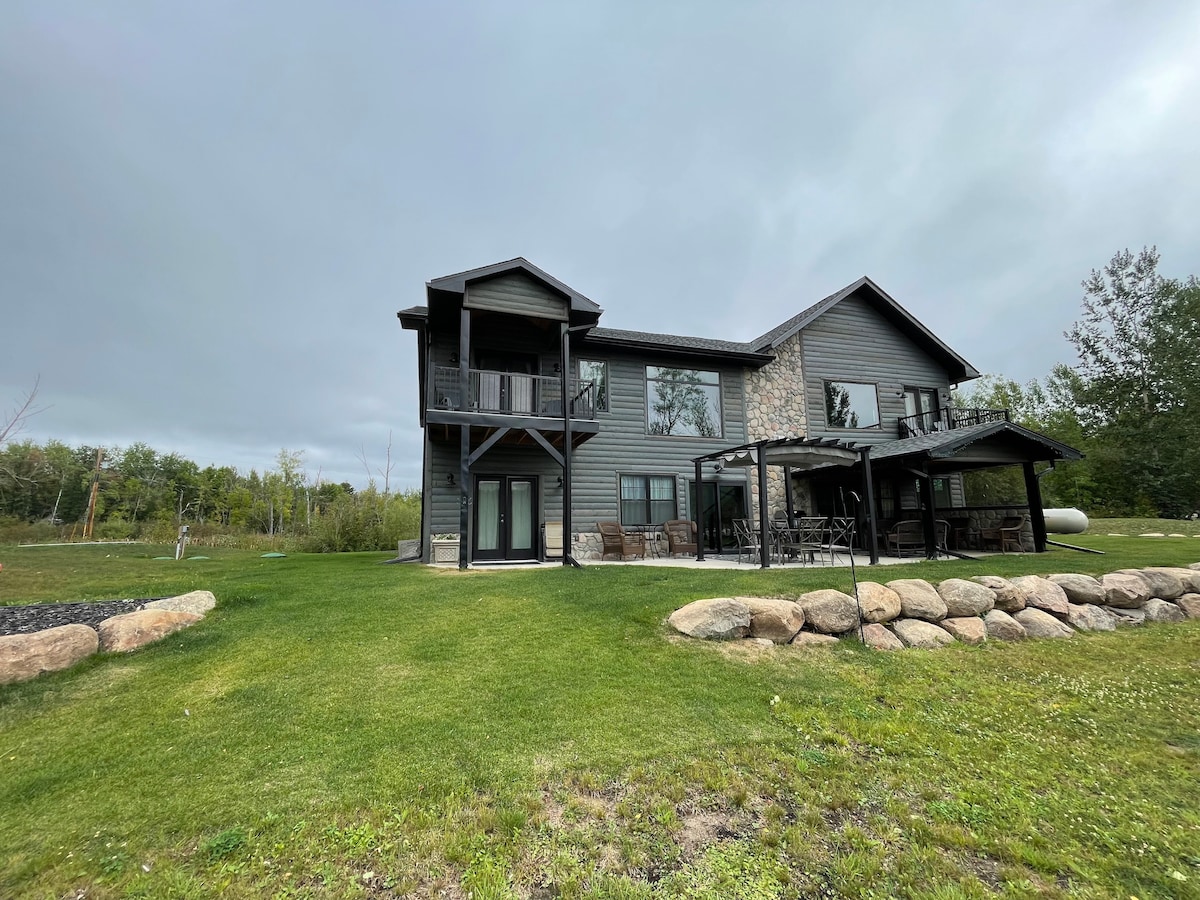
26	656
911	612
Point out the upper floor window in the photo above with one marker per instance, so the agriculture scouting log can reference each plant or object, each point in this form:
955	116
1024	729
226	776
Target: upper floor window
683	401
849	404
596	372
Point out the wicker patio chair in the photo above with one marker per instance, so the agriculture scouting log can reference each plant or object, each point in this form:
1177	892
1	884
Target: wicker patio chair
681	537
621	542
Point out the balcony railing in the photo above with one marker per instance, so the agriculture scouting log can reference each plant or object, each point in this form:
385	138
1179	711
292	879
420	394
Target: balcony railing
512	393
947	419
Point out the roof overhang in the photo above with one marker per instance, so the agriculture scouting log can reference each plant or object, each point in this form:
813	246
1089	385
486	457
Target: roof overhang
974	447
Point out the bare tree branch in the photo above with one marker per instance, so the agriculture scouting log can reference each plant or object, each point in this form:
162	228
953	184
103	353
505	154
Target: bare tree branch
12	424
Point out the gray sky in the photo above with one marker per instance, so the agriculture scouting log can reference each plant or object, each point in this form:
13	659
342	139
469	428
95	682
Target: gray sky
210	212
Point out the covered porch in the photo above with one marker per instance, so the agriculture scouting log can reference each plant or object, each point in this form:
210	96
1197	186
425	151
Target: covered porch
924	459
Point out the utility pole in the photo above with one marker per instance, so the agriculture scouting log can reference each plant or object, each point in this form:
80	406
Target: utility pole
91	511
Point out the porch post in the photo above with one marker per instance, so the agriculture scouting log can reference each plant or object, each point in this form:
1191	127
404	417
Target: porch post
763	520
697	504
1037	516
565	388
930	515
787	489
464	438
869	488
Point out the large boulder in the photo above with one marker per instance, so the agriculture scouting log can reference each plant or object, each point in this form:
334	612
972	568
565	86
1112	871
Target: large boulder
776	620
965	598
919	599
198	602
1040	624
1164	584
26	656
1043	594
879	638
807	639
1125	591
123	633
829	611
968	629
1003	627
1080	588
879	603
921	634
1158	610
1089	617
1009	597
715	619
1189	578
1127	617
1190	604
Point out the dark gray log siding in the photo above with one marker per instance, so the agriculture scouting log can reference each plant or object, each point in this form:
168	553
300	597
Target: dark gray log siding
518	294
853	342
528	459
623	446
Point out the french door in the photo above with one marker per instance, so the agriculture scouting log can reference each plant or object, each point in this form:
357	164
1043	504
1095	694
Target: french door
505	517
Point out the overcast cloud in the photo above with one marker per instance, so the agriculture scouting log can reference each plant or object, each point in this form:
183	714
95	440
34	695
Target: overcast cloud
210	213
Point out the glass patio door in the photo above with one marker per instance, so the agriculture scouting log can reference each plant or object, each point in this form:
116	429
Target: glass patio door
720	505
505	518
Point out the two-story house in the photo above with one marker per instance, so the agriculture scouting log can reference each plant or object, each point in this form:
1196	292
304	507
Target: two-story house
535	413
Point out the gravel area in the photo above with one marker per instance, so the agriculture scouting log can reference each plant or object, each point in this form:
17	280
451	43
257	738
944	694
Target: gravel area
35	617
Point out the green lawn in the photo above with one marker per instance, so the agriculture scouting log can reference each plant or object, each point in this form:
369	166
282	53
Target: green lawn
337	727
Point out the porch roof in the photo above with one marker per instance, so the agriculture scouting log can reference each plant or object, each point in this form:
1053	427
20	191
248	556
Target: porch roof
990	443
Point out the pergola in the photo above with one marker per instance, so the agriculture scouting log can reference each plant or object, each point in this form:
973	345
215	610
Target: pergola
793	454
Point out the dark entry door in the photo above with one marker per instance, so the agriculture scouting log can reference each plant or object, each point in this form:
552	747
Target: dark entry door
720	505
505	521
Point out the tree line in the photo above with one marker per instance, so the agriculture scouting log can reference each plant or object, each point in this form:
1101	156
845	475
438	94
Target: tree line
46	489
1129	403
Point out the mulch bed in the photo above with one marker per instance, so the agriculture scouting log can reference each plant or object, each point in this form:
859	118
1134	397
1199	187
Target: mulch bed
37	616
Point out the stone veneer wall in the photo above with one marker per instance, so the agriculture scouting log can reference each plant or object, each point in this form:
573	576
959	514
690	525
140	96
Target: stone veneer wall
775	409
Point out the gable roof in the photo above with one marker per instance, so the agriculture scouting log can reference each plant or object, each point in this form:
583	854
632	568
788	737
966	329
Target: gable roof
457	283
958	368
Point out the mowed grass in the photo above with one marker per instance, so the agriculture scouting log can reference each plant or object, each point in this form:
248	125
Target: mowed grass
338	727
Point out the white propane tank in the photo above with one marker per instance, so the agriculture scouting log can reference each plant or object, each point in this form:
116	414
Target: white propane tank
1065	521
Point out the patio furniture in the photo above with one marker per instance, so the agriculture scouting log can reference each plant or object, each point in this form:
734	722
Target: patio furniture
552	540
804	541
681	537
746	537
1005	537
905	535
839	538
619	541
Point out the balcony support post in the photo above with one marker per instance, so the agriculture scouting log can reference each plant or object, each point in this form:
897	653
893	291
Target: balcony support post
464	440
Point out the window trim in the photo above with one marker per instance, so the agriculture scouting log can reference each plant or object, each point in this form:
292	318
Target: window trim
649	499
718	384
874	385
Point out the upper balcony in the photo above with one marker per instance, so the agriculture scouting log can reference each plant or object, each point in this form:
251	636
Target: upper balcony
511	394
947	419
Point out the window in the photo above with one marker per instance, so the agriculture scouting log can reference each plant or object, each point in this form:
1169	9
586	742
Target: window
921	409
647	499
591	370
683	401
851	405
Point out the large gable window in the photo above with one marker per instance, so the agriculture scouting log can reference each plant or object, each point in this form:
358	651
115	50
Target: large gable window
683	401
647	499
849	404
